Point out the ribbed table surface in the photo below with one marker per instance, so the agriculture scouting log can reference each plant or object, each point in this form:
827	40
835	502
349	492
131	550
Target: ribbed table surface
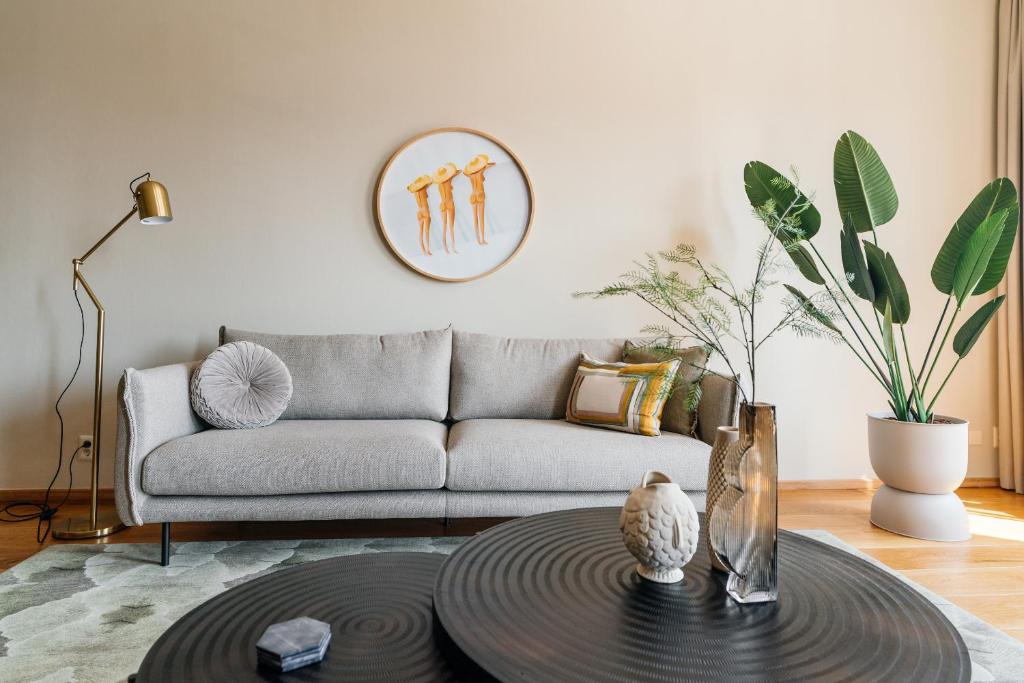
378	606
554	597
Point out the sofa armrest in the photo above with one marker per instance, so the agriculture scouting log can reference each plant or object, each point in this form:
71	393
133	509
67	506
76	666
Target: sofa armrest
719	406
153	407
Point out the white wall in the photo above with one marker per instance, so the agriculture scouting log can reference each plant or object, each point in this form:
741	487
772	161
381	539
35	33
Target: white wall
269	121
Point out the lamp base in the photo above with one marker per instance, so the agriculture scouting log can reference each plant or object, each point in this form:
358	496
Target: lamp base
107	523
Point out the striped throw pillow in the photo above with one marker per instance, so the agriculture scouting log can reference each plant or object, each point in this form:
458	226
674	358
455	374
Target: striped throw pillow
628	397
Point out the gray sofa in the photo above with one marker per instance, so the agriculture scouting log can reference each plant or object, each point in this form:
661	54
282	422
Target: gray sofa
436	424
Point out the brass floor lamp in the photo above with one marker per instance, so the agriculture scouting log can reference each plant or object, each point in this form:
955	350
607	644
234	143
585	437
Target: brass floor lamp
153	207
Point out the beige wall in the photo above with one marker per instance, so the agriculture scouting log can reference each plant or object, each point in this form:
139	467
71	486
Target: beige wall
269	121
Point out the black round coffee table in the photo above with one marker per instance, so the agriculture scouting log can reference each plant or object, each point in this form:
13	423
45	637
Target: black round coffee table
554	598
378	606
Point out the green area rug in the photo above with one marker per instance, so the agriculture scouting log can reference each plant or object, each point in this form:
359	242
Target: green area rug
90	612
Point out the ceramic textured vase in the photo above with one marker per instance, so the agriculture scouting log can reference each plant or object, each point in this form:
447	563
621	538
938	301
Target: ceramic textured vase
660	528
724	438
744	521
922	465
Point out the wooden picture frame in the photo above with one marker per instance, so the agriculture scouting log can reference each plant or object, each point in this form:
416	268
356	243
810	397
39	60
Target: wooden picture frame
449	200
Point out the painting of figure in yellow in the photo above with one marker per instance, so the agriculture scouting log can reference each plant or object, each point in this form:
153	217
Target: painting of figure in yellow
419	189
443	177
484	209
474	171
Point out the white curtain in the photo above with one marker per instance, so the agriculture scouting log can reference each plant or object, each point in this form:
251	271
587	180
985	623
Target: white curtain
1008	322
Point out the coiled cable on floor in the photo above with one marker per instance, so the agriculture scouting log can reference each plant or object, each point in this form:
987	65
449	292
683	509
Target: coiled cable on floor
44	512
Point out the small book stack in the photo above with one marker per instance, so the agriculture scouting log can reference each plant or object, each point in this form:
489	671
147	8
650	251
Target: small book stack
293	644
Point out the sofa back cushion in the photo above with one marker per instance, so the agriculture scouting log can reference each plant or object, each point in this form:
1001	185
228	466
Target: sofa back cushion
502	377
362	376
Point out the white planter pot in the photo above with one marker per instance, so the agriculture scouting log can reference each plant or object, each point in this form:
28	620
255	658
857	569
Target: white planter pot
921	466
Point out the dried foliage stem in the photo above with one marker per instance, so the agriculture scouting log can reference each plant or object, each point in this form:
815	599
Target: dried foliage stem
704	309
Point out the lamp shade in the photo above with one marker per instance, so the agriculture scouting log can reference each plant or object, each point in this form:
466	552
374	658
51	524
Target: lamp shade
154	205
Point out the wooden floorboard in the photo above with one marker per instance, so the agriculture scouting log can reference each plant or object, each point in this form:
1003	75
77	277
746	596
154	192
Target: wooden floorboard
977	581
1002	610
984	575
1017	633
957	557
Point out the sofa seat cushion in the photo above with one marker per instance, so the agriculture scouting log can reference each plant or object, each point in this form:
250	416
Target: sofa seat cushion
553	455
300	456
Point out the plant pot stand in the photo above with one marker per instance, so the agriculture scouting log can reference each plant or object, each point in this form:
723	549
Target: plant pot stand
921	466
932	517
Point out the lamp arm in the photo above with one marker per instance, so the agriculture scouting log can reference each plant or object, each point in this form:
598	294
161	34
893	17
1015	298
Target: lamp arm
79	279
103	239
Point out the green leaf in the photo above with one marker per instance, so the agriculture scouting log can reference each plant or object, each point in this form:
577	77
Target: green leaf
854	264
864	190
1001	254
802	258
810	309
899	397
876	272
997	195
888	284
888	339
693	395
976	255
762	183
897	291
970	331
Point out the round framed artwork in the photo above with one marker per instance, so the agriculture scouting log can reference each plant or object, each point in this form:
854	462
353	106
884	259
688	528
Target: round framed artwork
454	204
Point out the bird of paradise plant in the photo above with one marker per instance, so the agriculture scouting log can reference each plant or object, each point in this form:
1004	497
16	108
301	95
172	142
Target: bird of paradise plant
971	262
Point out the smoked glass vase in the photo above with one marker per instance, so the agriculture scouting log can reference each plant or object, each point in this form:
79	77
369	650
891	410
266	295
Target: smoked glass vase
724	439
743	525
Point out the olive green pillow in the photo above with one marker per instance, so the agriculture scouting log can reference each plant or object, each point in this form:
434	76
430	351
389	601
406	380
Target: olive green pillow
675	417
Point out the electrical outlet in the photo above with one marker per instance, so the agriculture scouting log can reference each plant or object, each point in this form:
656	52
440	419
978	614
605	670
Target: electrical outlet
86	451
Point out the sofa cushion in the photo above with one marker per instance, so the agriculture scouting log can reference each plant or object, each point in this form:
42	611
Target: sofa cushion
718	406
362	376
626	397
675	417
300	456
241	385
552	455
502	377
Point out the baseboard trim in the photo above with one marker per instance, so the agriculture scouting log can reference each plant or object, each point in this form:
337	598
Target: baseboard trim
37	495
828	484
106	496
869	484
980	483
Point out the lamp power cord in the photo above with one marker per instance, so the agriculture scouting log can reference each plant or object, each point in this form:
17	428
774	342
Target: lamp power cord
24	510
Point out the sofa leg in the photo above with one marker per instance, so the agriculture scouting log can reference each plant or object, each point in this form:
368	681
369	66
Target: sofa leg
165	544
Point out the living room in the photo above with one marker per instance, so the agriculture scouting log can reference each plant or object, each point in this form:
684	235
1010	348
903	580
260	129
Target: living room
539	340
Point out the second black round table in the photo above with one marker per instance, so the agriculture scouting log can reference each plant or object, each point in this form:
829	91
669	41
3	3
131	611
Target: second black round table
554	597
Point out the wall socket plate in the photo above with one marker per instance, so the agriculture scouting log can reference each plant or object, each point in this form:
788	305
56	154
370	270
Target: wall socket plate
84	453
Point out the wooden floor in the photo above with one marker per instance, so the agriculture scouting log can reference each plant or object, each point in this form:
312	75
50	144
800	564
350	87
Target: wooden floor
984	575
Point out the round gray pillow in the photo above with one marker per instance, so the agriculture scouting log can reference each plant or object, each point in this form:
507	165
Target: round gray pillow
241	385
